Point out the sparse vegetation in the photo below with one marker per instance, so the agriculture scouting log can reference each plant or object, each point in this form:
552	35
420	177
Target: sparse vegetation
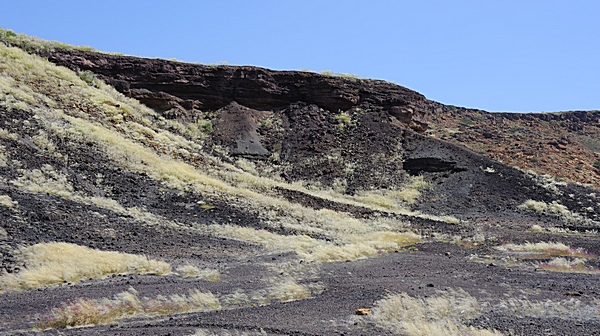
191	271
543	250
339	74
206	126
466	122
444	314
563	309
287	290
555	209
6	201
3	157
548	182
345	120
562	231
84	311
129	304
49	264
560	264
87	76
546	256
31	43
408	194
46	180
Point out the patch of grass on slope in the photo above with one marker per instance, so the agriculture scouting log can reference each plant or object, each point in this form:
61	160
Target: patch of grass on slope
84	311
126	304
444	314
55	263
31	43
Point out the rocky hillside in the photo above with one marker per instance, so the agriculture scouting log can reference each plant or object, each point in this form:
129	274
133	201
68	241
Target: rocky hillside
564	145
248	201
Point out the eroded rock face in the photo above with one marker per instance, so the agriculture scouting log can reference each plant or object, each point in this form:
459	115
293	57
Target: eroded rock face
179	89
235	127
430	165
408	116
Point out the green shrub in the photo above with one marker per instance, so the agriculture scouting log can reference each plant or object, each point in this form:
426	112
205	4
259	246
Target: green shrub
344	119
207	126
87	76
466	121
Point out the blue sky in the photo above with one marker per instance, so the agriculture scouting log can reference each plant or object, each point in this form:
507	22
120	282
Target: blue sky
522	56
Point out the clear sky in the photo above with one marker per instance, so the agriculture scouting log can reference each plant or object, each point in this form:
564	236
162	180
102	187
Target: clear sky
509	55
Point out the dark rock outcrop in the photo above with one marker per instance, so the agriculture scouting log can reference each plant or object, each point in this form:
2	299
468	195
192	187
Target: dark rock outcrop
236	128
176	88
430	165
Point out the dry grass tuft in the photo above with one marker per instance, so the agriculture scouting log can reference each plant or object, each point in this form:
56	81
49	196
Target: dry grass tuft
571	309
288	290
55	263
281	289
537	228
560	264
6	201
440	315
543	250
45	180
84	311
396	199
556	257
558	210
191	271
537	206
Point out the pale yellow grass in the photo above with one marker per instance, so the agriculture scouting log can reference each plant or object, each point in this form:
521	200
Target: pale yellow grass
6	201
281	289
444	314
537	228
191	271
395	199
533	247
549	248
572	309
556	209
3	157
124	305
33	43
288	290
353	247
55	263
46	180
537	206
